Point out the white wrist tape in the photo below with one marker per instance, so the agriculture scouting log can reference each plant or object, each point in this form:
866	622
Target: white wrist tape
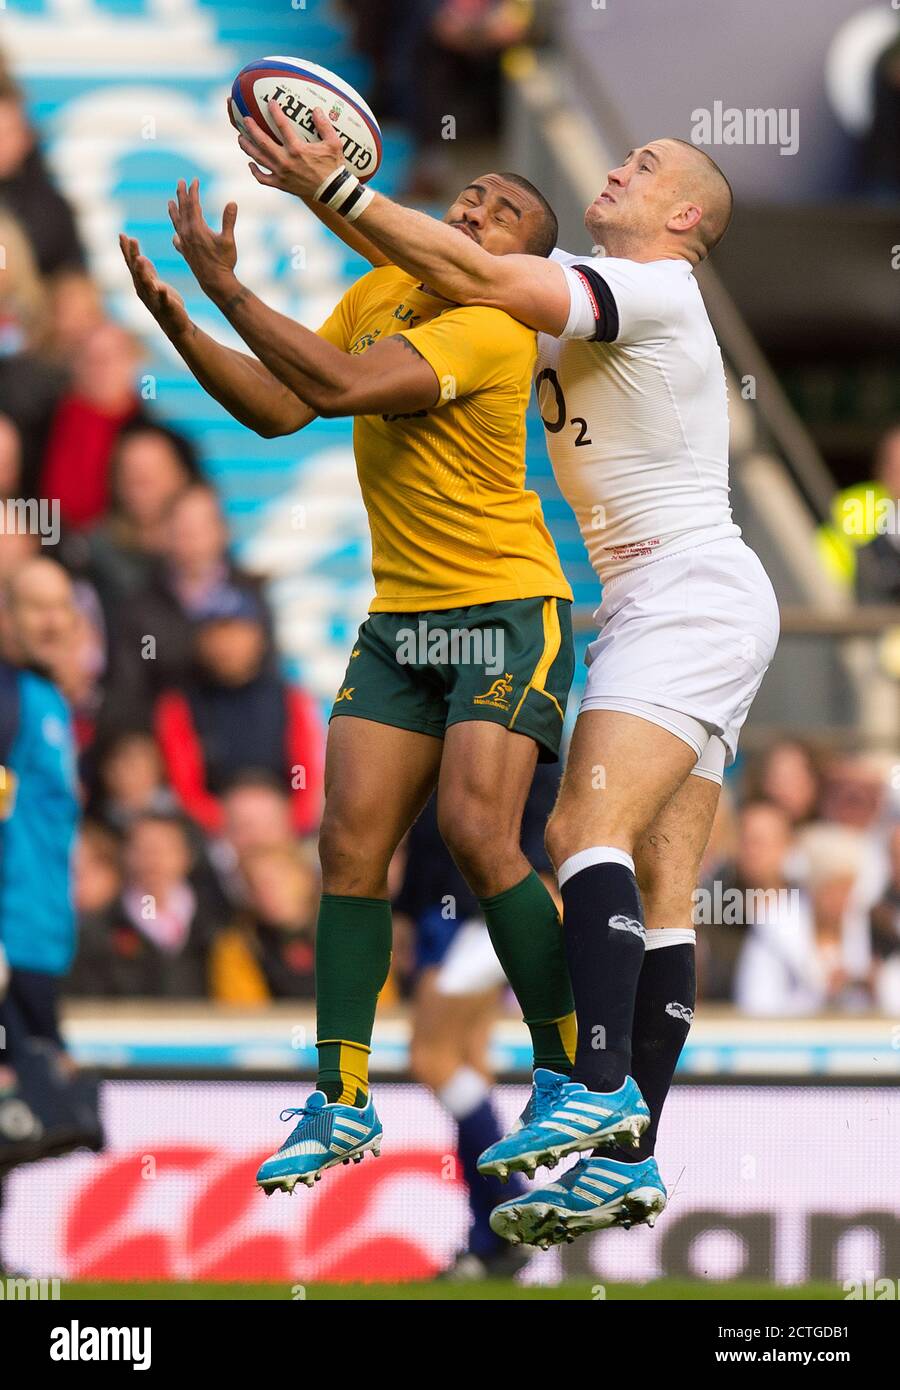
342	192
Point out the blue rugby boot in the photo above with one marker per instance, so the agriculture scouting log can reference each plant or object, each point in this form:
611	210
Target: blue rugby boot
564	1117
597	1192
325	1135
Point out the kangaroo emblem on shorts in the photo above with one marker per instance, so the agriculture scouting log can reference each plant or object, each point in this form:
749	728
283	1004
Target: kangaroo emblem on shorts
497	695
676	1010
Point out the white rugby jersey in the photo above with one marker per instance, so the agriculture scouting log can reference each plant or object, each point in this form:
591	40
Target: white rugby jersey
634	402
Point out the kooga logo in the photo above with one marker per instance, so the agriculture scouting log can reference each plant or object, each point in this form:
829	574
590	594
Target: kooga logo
77	1343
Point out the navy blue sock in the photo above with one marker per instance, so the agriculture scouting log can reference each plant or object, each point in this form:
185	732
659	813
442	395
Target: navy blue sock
476	1131
603	925
663	1014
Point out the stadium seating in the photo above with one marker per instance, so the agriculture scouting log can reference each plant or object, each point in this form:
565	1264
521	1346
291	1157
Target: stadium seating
122	121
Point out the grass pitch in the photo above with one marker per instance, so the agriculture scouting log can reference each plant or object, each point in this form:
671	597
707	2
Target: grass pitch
487	1290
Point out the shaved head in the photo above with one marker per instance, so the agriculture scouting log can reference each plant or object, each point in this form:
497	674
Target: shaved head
705	184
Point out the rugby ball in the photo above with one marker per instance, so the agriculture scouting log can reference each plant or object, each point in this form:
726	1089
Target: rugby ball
298	87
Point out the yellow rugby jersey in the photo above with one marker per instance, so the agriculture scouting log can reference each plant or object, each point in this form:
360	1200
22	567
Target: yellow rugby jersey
452	521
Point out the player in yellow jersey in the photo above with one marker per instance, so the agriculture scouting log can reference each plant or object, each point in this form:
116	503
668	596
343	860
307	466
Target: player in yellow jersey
459	676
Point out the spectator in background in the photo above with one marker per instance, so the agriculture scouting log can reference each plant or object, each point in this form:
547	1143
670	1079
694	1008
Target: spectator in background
47	1108
854	791
197	548
885	927
156	941
29	385
759	867
98	887
24	301
190	571
76	310
18	543
789	775
802	957
149	467
81	673
862	514
878	561
130	780
127	783
256	814
855	795
236	713
28	191
10	458
82	670
16	548
270	952
100	400
37	922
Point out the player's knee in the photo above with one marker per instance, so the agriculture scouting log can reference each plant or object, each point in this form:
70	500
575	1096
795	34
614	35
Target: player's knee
560	836
350	864
567	832
482	849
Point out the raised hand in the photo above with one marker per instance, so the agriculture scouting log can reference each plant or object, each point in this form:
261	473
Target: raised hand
296	166
211	255
164	303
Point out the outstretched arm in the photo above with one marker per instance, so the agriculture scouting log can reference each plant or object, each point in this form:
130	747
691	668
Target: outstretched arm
530	288
391	377
246	388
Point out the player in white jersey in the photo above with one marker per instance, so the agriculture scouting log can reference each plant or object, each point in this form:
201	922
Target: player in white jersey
632	392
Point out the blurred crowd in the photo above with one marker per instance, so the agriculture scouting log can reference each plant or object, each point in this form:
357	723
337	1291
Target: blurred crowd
799	909
200	764
436	71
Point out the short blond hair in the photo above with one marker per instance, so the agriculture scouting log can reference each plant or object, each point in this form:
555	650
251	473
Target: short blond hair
830	852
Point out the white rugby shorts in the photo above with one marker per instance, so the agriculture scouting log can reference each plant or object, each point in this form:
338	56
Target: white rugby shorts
685	642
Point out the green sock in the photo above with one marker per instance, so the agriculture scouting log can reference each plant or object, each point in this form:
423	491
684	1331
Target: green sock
526	933
353	957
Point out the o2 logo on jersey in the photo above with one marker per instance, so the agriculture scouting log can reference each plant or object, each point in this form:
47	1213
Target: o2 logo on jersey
549	376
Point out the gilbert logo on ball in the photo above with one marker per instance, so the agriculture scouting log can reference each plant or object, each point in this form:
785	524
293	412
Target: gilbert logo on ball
298	87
